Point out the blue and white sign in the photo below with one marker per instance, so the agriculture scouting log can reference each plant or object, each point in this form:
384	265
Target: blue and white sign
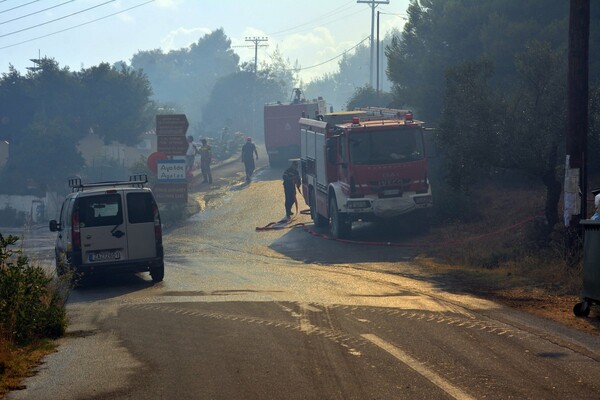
171	171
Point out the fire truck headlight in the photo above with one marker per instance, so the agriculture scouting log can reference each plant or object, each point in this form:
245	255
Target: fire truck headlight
422	199
359	204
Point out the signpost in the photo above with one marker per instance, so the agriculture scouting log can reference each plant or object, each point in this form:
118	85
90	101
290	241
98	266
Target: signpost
172	171
172	145
171	125
171	141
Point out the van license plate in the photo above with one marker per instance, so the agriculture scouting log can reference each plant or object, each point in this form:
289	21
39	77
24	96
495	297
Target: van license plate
104	255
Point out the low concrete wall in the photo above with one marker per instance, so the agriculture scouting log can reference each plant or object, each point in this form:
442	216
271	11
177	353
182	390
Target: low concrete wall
39	209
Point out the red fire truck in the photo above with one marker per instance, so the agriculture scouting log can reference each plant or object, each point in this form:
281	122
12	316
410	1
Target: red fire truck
364	165
282	131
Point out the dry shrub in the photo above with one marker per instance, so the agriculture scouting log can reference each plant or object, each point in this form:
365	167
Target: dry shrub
505	242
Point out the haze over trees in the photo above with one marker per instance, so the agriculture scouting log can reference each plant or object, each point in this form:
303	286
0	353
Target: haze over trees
492	76
46	112
489	75
184	78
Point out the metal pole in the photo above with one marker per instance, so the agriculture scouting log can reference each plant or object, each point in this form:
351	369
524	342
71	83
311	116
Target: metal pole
372	4
378	53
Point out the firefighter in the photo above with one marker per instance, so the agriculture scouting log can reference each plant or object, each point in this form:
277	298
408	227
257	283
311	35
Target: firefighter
190	155
291	182
205	160
248	152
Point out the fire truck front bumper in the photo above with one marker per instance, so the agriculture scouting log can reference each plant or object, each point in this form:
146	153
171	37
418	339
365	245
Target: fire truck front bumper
387	207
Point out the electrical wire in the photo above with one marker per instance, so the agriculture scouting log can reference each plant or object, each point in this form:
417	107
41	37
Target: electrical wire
57	19
331	59
77	26
19	6
322	16
332	21
37	12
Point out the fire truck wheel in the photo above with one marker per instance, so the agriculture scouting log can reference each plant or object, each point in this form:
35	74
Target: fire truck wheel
317	218
339	227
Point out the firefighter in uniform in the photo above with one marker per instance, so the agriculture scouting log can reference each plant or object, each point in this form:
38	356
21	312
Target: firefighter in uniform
291	182
205	160
248	153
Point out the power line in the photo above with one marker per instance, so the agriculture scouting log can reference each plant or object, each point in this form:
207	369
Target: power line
37	12
338	56
322	16
77	26
57	19
19	6
334	20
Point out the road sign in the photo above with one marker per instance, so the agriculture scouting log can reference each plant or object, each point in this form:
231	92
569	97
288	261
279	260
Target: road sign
172	145
154	158
170	192
171	171
171	125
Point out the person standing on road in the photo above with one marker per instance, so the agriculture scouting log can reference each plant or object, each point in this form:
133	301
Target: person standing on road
190	155
291	182
248	152
205	160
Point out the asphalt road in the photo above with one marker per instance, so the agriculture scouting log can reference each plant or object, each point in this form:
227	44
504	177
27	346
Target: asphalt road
284	314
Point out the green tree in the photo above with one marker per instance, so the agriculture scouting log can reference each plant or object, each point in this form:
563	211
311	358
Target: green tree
116	104
367	96
538	120
441	34
50	109
237	102
186	77
468	133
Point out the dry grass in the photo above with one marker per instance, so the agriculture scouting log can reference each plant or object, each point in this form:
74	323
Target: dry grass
17	363
493	258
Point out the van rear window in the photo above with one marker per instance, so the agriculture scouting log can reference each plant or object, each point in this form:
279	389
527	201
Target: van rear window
101	210
139	208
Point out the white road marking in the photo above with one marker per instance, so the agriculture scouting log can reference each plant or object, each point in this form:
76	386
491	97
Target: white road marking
418	367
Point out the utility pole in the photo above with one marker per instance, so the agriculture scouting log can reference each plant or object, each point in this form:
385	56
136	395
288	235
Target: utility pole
377	63
256	40
373	4
577	113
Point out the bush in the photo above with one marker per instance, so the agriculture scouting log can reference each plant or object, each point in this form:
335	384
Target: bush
31	306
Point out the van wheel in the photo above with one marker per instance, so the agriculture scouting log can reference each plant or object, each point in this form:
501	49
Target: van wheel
158	273
339	227
317	218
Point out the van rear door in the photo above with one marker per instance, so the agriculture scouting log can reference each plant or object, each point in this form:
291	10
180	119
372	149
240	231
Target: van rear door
103	229
140	226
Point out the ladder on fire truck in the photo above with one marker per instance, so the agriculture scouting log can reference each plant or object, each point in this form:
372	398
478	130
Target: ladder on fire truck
386	113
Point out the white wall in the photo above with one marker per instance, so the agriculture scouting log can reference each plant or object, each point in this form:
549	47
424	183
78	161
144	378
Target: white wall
28	204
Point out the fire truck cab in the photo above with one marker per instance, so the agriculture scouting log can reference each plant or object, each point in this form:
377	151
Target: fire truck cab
364	165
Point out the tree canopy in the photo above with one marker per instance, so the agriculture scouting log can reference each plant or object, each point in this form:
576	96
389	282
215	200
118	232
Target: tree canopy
50	109
184	78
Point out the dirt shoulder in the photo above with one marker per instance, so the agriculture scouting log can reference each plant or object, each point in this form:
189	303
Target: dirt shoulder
515	288
558	308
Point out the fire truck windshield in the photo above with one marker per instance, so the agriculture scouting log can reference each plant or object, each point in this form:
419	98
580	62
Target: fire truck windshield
386	147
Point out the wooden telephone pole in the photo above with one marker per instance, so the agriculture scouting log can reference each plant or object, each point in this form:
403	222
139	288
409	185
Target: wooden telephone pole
577	112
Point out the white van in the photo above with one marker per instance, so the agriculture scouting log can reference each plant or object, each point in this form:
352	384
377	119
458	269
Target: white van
110	227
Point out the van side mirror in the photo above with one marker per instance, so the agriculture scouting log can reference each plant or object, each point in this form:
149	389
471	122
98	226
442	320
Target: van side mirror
54	226
330	148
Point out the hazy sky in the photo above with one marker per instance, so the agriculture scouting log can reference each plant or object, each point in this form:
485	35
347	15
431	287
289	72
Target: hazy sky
83	33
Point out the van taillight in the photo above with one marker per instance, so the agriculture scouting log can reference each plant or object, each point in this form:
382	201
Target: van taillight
75	232
157	227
